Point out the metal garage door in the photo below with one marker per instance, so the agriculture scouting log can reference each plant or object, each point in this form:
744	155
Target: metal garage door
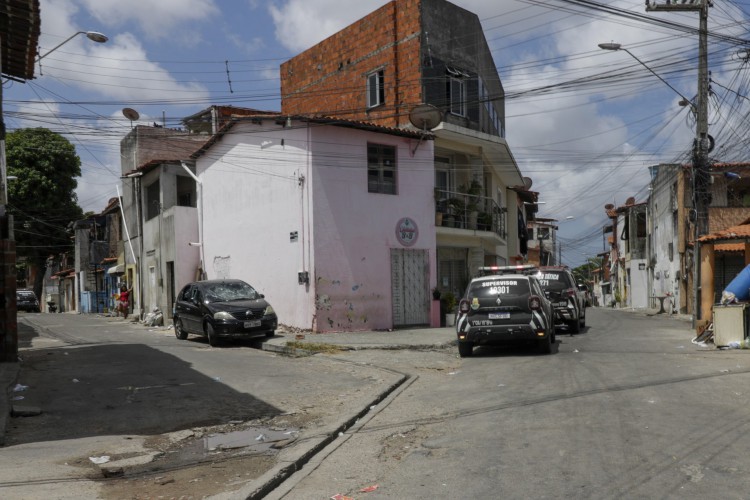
409	287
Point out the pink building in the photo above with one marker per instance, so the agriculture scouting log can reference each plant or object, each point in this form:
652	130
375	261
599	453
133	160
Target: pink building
332	220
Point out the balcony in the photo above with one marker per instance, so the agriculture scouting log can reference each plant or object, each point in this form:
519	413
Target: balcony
469	211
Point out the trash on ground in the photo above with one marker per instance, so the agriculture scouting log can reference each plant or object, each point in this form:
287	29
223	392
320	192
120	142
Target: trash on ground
739	344
368	489
75	380
18	398
100	460
20	388
339	496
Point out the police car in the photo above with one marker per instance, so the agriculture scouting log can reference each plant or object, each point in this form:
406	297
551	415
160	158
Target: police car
505	303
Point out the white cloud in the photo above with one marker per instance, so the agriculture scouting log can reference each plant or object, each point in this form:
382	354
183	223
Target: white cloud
158	19
300	24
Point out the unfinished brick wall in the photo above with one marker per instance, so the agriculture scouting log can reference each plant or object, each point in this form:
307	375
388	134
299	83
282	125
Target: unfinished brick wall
331	77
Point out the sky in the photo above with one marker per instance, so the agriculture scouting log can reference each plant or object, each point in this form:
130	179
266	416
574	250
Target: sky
583	123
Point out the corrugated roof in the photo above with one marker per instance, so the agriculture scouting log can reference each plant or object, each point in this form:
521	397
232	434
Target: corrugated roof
20	25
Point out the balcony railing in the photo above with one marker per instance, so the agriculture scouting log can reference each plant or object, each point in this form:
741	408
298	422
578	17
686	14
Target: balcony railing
468	211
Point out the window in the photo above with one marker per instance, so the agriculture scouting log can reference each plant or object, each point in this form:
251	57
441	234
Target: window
457	96
381	169
153	206
492	116
456	90
375	89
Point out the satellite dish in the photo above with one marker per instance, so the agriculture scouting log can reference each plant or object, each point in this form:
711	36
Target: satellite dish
630	201
609	206
131	115
527	183
425	116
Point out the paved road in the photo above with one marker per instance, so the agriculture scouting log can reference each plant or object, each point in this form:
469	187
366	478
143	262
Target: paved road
630	408
110	388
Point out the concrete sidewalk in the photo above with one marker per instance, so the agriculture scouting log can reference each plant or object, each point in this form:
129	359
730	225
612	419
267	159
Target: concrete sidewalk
414	338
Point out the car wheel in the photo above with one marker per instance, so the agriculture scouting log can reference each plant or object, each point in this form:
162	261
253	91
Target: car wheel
465	349
575	326
545	344
583	318
213	339
179	331
270	334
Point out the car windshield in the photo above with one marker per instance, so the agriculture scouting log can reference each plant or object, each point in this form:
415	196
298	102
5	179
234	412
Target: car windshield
228	291
26	295
505	287
553	280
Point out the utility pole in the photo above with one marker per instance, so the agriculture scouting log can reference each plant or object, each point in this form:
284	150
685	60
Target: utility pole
703	143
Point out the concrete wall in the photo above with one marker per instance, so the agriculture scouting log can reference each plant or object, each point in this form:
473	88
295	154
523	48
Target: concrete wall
354	230
278	201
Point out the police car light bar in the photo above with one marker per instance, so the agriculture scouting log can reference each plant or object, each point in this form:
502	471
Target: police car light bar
518	269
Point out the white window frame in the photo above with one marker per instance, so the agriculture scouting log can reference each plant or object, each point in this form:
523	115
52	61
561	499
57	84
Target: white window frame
457	96
375	88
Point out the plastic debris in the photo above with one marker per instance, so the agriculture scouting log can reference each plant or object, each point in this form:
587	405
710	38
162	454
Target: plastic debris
100	460
368	489
261	437
339	496
18	398
75	380
739	344
20	388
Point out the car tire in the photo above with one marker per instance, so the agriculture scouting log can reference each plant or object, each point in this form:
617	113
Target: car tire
583	318
270	334
465	349
545	344
575	326
213	339
179	331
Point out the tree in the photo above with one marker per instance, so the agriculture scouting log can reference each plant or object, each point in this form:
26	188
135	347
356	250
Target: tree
42	198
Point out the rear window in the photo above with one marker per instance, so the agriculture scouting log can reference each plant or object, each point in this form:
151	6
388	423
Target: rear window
25	295
554	280
503	287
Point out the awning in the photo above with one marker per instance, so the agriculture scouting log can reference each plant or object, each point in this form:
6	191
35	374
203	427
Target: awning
116	269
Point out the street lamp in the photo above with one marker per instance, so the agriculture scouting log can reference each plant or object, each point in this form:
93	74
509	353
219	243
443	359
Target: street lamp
616	46
702	146
94	36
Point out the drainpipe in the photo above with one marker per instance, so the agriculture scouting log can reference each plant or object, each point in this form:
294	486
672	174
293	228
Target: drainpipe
199	184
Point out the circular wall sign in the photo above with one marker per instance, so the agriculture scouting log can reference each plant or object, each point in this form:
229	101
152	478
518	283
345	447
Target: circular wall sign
407	231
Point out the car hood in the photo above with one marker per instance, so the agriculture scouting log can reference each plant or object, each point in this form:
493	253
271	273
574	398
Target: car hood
237	305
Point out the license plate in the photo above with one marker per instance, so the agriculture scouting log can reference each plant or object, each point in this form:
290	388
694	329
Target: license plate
561	304
252	323
499	315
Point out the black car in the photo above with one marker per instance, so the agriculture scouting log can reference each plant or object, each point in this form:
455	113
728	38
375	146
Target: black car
568	301
222	309
26	301
507	304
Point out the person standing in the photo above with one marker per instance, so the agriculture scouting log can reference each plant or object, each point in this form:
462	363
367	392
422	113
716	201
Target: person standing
124	300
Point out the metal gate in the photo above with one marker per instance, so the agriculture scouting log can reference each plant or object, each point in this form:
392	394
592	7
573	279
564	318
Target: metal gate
409	287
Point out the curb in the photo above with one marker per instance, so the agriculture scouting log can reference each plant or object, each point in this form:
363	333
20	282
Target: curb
280	473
